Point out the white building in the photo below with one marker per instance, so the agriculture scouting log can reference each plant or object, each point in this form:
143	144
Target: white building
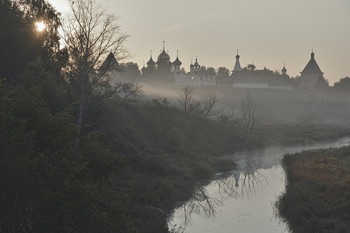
192	78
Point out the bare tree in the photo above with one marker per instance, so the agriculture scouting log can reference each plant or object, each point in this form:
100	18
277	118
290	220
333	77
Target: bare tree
186	98
210	107
252	117
89	34
203	108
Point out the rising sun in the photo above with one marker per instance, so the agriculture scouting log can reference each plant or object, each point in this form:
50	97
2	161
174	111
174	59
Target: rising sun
40	26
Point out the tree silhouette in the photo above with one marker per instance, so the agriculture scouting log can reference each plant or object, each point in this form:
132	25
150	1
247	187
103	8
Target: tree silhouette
252	116
90	34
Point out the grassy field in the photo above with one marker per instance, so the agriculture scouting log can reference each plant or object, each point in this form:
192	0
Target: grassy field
317	197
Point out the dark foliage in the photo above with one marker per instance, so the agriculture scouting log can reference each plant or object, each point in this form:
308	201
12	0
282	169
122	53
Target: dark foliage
343	84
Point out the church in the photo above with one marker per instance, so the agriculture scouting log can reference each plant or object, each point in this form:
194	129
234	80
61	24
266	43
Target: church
193	78
162	70
312	76
165	70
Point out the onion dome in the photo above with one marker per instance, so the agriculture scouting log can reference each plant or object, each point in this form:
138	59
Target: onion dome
163	56
284	70
177	62
150	62
196	63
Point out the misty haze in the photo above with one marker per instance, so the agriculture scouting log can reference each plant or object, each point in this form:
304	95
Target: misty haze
181	117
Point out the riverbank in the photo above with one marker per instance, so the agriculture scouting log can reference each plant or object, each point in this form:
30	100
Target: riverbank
173	156
317	192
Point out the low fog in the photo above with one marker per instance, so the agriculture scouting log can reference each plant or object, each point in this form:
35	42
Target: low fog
279	106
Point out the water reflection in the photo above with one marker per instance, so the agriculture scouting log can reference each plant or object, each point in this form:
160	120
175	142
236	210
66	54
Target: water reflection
242	182
244	198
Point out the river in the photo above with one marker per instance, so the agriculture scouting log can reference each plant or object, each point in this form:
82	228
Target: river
242	200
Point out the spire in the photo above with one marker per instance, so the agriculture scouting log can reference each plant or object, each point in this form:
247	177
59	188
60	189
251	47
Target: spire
237	64
284	70
191	66
196	64
312	54
163	45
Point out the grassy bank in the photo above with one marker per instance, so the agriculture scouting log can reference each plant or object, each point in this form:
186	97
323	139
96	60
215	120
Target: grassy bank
317	197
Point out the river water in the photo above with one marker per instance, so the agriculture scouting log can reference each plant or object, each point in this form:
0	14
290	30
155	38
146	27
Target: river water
242	200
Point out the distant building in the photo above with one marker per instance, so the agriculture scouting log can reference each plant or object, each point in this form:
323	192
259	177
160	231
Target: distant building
148	72
111	68
162	70
192	78
249	77
312	76
237	64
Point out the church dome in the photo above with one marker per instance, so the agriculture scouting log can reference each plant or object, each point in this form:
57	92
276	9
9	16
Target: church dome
151	62
196	63
163	56
284	70
177	62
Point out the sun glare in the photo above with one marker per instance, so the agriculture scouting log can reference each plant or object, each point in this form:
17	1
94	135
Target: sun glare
40	26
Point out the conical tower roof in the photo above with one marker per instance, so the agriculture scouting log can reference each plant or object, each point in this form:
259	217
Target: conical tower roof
237	64
110	63
312	66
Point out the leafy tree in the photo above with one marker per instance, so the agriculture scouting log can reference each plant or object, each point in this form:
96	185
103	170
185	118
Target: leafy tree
20	42
131	71
223	73
210	71
342	84
42	11
250	67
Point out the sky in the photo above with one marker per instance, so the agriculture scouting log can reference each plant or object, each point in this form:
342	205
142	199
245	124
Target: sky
267	33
